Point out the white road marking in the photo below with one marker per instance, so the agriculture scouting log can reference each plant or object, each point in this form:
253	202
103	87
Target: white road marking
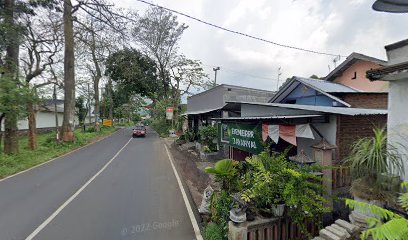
53	215
183	193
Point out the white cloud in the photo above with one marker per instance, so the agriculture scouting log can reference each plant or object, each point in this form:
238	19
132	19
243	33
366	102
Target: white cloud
339	27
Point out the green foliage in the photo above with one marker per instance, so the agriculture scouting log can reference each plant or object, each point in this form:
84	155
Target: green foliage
403	199
371	157
208	135
226	172
221	204
161	126
80	109
206	149
265	182
271	179
136	118
385	224
222	168
213	232
134	71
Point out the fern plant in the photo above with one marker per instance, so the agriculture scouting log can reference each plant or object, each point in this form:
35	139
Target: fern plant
386	224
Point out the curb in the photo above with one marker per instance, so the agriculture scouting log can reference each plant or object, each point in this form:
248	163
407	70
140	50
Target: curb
63	155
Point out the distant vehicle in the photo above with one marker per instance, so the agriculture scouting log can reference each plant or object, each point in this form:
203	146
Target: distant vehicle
139	131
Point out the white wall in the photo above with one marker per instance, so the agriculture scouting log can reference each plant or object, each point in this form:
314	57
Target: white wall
397	124
44	120
328	130
398	119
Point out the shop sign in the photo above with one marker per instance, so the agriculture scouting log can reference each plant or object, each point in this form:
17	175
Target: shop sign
242	136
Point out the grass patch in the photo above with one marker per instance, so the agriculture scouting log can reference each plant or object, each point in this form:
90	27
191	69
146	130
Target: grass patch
47	149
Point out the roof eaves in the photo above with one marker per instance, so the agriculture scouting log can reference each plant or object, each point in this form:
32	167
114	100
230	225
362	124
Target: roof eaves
283	89
324	109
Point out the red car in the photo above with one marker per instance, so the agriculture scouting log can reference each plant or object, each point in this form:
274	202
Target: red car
139	131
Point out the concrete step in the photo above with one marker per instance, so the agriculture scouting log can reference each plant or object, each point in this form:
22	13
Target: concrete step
339	228
335	231
351	228
327	235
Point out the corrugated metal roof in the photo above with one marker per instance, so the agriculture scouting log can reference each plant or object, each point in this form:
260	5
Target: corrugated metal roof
324	109
318	85
200	111
269	117
326	86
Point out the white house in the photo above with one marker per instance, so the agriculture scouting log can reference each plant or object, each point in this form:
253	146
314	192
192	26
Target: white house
45	116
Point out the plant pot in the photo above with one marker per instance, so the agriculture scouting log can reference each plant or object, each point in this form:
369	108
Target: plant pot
278	210
238	215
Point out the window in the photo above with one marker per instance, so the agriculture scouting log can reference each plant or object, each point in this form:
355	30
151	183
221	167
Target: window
355	76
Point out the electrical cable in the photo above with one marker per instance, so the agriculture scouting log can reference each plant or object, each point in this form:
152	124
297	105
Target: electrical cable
240	33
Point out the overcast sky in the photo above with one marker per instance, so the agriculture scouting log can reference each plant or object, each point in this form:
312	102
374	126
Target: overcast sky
335	26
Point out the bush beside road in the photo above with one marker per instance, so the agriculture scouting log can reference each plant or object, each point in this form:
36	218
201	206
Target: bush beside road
47	150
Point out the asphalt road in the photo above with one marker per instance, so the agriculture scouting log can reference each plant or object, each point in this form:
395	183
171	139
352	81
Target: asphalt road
135	197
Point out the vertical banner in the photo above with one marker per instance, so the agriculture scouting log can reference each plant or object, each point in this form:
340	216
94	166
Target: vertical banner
247	137
169	113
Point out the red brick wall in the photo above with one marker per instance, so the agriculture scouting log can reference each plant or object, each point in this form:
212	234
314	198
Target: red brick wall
352	128
366	100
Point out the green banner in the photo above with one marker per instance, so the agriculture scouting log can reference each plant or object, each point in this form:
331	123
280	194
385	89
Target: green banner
242	136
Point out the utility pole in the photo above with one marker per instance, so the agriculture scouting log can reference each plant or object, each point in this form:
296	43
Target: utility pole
279	73
54	97
215	77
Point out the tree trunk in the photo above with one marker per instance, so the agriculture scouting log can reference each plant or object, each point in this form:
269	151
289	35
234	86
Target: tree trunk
12	52
10	134
69	75
110	99
97	78
32	128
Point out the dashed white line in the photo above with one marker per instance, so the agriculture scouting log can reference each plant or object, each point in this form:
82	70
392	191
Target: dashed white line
183	193
54	214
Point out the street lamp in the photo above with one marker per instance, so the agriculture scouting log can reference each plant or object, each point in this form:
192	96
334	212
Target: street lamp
215	77
392	6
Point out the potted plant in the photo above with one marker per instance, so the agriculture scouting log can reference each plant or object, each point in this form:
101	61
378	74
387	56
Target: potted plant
372	162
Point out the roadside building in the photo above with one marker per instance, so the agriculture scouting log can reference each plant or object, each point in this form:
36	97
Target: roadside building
352	73
204	106
305	115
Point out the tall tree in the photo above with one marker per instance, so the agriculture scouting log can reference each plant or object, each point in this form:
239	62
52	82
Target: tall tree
129	67
42	41
11	73
96	41
158	32
185	74
67	133
103	12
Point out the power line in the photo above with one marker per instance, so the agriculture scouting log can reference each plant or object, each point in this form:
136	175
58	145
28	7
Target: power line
240	33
